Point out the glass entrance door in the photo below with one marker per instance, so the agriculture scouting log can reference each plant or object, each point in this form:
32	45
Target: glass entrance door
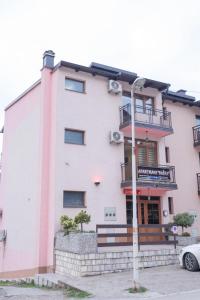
148	213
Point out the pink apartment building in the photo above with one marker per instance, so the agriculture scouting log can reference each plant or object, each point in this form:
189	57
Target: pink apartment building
67	146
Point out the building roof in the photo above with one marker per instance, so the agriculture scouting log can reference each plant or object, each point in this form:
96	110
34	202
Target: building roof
112	73
181	97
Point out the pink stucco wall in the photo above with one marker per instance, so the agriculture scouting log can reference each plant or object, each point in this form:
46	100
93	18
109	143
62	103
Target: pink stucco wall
97	113
186	160
20	193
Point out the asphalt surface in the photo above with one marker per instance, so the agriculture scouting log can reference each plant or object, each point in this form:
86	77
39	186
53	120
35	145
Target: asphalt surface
167	283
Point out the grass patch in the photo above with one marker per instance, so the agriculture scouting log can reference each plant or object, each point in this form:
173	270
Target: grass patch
23	284
68	291
6	283
141	289
75	293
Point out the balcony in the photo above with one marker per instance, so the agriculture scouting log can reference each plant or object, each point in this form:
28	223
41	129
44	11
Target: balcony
156	122
150	179
196	135
198	182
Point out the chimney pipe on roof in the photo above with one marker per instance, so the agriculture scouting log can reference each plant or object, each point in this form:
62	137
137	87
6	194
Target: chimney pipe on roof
48	59
181	92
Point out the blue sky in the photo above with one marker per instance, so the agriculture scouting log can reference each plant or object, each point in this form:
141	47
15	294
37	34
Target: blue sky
156	39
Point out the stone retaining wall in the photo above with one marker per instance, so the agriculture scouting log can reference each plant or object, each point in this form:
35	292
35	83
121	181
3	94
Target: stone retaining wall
107	262
186	240
83	242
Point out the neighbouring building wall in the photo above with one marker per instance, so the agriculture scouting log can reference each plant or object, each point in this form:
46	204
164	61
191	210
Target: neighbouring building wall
20	184
184	157
76	166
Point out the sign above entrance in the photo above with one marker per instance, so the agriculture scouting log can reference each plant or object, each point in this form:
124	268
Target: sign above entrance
151	173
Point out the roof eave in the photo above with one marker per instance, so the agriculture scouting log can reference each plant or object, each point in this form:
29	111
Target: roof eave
122	76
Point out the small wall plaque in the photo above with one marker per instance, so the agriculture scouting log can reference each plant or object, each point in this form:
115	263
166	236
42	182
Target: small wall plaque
110	214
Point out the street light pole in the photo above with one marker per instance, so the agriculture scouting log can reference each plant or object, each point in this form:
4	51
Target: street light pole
138	84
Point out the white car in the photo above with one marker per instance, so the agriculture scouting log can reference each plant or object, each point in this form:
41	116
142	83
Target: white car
190	257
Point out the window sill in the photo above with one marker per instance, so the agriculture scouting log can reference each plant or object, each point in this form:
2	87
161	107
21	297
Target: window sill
75	91
75	207
75	144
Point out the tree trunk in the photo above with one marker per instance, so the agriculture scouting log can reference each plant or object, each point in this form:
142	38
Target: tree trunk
81	227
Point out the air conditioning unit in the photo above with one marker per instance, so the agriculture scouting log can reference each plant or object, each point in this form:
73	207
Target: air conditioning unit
3	235
116	137
114	87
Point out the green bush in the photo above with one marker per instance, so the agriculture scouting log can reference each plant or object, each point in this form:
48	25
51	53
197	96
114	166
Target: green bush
82	218
184	220
68	224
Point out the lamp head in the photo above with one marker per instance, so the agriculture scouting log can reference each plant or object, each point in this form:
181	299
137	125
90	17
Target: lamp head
139	83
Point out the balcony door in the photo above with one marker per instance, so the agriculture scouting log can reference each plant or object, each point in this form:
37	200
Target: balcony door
146	153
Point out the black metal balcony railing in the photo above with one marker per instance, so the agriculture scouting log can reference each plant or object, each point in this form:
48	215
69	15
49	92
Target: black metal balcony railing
198	182
161	118
196	135
157	174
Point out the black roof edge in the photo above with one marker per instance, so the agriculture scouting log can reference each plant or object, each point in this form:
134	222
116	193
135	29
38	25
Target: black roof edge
112	73
93	71
113	70
166	96
161	86
181	95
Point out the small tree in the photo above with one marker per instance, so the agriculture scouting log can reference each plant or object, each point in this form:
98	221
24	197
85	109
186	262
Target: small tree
184	220
68	224
82	218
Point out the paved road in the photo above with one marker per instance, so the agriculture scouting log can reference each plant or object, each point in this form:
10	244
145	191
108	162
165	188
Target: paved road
167	283
32	295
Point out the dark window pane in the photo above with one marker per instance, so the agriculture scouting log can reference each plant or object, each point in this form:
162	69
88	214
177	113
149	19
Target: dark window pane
167	154
74	85
73	199
153	214
74	137
142	213
171	205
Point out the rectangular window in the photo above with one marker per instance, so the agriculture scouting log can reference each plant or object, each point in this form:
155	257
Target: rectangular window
74	137
75	85
73	199
171	205
146	153
197	120
144	104
167	156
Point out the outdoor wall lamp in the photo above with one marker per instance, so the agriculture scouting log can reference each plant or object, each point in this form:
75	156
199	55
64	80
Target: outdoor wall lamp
165	213
97	183
97	180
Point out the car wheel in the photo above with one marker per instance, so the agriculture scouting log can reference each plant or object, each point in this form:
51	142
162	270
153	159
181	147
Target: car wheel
190	262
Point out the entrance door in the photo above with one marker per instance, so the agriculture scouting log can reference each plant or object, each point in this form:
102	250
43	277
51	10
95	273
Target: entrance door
148	212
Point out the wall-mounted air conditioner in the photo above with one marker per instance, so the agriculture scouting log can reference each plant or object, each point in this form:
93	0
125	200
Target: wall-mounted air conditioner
114	87
116	137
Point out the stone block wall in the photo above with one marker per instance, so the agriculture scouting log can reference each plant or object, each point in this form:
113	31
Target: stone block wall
84	242
98	263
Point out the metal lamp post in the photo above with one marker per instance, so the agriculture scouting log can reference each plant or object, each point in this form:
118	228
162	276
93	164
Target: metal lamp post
138	84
